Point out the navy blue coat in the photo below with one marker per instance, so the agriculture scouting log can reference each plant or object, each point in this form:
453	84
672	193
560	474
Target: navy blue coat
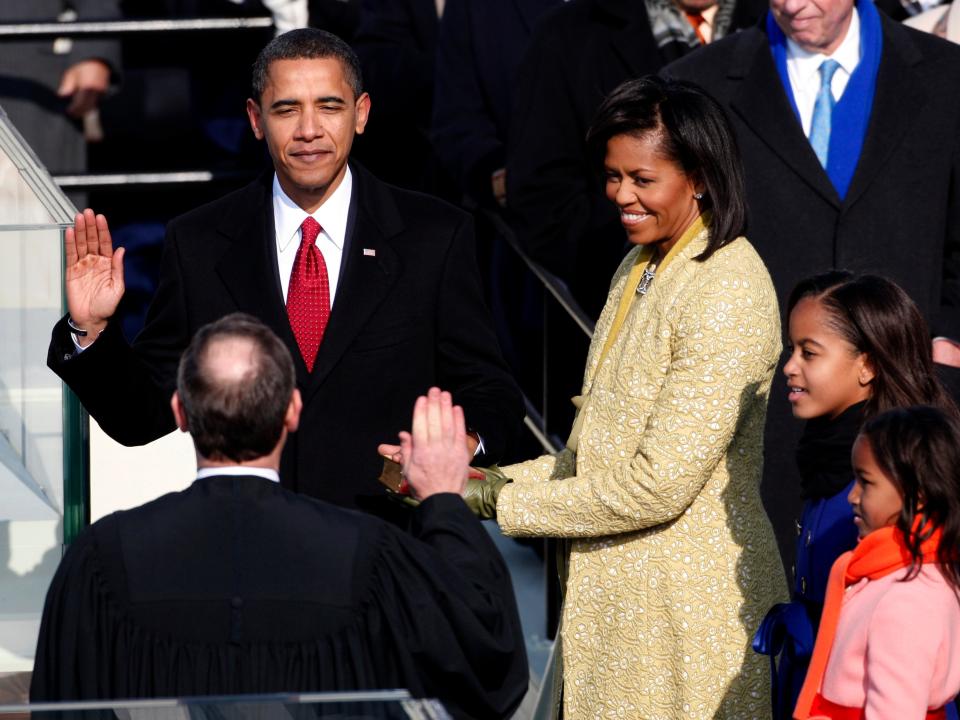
825	532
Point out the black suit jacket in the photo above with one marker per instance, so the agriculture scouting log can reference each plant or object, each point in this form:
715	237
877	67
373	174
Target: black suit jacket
578	53
901	215
231	587
409	313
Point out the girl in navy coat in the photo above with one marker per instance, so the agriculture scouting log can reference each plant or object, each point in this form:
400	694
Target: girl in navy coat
858	346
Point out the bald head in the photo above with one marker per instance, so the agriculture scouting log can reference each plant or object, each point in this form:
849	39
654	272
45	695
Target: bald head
230	360
235	384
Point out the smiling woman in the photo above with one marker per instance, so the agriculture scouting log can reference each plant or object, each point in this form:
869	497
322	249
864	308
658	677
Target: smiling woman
656	199
673	561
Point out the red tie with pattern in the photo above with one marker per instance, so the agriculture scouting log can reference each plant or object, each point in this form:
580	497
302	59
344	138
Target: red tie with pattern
308	297
697	20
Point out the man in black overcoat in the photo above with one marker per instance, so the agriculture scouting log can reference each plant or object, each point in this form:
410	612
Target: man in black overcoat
237	585
405	306
896	211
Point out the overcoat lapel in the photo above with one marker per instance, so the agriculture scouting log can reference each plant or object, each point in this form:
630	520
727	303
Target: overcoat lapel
762	103
371	268
897	102
248	265
605	322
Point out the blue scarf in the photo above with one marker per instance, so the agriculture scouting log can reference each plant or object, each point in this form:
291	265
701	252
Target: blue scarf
852	113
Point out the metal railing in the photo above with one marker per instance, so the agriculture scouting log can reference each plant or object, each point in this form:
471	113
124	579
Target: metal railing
108	180
126	27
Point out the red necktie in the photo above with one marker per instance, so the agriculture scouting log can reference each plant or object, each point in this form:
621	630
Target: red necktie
696	20
308	297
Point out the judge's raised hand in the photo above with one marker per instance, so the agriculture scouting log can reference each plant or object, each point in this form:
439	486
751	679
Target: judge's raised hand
94	274
435	455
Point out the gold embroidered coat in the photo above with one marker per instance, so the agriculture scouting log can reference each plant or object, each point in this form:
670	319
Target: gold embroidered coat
673	563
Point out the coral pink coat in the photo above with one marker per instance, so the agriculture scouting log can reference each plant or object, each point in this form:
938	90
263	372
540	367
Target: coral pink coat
897	647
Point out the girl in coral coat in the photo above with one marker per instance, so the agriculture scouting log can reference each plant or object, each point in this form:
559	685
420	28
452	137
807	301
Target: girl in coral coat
889	641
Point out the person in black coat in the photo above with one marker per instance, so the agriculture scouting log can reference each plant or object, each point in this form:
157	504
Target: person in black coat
578	53
49	87
231	587
893	210
406	307
479	50
396	42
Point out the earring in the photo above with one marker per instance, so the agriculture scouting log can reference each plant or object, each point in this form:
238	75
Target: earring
698	196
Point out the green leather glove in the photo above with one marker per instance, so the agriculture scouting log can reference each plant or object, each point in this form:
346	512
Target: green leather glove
483	488
481	495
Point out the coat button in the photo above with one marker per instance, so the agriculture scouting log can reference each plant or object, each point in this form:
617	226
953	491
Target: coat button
803	585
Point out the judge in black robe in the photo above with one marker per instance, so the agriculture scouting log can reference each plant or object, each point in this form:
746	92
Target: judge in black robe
237	585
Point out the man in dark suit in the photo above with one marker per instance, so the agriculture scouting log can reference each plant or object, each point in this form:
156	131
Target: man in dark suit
398	304
578	53
231	586
879	192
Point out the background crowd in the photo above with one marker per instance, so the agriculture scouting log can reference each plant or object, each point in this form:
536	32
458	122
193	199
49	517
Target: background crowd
849	135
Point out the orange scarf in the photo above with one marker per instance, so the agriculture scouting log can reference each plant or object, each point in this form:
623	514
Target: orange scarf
878	554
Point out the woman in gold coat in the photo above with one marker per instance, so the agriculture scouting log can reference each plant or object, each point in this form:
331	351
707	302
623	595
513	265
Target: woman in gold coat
673	562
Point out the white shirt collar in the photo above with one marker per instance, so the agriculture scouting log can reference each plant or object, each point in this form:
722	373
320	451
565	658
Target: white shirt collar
807	64
332	215
266	473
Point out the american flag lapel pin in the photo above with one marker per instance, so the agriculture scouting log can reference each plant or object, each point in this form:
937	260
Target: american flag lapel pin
369	252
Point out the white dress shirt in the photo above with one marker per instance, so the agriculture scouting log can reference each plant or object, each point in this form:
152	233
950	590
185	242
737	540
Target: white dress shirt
332	216
803	69
265	473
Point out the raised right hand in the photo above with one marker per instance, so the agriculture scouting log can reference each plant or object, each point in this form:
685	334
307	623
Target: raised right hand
94	274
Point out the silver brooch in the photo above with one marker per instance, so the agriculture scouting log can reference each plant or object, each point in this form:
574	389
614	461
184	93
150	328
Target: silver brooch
646	280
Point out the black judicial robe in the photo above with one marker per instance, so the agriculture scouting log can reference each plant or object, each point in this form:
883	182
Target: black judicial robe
236	585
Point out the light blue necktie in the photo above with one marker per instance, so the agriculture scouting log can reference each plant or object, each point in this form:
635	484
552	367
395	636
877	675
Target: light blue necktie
822	111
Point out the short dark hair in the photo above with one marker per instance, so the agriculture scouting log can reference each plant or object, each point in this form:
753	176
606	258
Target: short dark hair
918	448
236	418
693	132
306	44
878	318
